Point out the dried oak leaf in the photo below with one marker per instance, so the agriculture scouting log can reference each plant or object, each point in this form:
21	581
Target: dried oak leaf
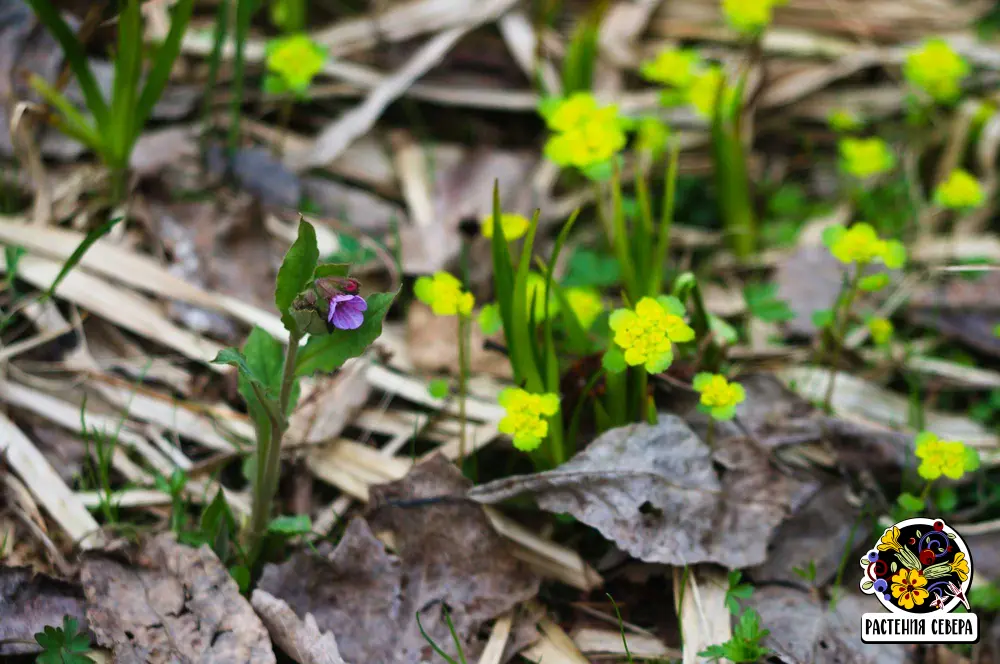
448	555
174	603
655	492
301	640
29	602
804	630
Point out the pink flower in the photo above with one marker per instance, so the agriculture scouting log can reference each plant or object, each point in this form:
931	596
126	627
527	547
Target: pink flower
346	311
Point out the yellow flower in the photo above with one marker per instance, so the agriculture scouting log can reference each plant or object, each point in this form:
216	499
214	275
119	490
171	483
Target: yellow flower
572	112
514	225
646	335
881	330
908	588
843	120
960	566
672	67
536	293
951	458
596	138
936	69
749	15
960	190
526	419
860	244
652	136
719	397
586	305
865	157
444	294
889	540
295	60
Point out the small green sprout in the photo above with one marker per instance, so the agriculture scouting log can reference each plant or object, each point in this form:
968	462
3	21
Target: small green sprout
737	590
745	644
63	645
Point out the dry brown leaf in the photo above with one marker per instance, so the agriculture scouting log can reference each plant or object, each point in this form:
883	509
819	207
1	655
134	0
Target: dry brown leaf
448	555
300	639
433	345
809	280
174	603
29	602
805	631
328	404
653	491
155	150
964	309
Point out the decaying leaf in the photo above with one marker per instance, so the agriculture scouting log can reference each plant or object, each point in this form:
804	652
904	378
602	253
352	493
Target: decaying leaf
327	404
433	344
448	555
29	602
809	280
965	309
173	604
300	639
805	630
655	493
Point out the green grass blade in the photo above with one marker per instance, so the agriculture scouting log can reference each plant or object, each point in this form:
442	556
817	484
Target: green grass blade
659	262
77	255
642	234
214	60
128	70
73	50
72	121
550	362
244	13
167	54
503	285
620	239
522	332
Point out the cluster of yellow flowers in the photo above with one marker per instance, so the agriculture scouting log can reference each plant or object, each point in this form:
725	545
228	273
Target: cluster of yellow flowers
936	69
585	134
951	458
719	397
444	294
293	62
647	334
861	245
749	16
866	157
526	418
960	190
881	330
688	79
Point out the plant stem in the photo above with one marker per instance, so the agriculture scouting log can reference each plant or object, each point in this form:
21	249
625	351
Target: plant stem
463	375
244	12
840	322
269	455
640	382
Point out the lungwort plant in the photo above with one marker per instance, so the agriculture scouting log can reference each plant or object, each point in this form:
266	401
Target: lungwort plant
114	125
320	301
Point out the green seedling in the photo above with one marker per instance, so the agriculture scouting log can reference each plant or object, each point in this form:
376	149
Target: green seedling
745	644
454	637
63	645
113	126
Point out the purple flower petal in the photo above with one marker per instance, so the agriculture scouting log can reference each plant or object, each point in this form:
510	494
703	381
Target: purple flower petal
346	311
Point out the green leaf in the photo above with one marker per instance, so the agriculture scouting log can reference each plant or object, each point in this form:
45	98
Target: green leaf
241	575
297	524
822	317
77	255
296	271
613	361
590	268
439	388
910	503
328	352
874	282
946	499
600	172
218	527
489	319
332	270
49	15
166	55
763	303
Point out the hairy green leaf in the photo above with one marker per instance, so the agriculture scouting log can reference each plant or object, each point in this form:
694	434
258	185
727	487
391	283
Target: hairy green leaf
329	352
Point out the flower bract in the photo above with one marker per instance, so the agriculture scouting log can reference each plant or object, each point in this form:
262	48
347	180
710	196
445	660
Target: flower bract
526	418
514	225
295	60
951	458
586	305
936	69
672	67
861	245
719	397
960	190
585	134
881	330
647	334
444	294
749	16
865	157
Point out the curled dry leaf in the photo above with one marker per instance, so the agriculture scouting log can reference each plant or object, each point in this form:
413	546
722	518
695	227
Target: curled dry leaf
174	603
29	602
654	492
300	639
806	631
448	555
